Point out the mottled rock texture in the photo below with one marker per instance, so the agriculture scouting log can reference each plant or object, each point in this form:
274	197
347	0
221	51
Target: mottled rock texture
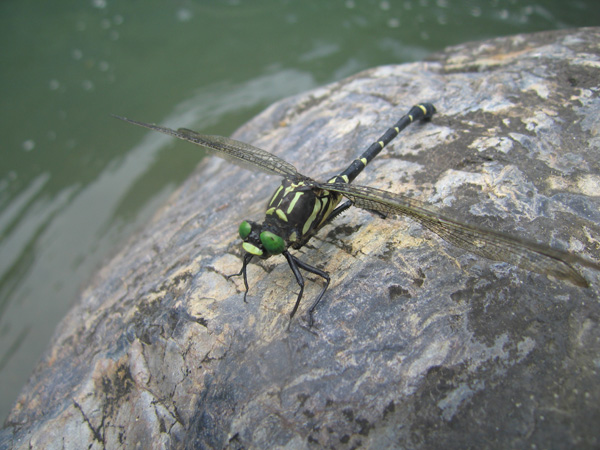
417	344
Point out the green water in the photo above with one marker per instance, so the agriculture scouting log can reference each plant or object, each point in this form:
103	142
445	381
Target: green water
75	183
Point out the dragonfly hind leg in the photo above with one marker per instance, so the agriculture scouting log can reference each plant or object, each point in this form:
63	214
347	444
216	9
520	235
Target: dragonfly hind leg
342	208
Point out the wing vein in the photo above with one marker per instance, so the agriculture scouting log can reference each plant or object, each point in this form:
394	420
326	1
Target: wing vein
484	242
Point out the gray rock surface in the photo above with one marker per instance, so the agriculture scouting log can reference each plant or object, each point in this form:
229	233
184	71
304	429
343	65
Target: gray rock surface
417	344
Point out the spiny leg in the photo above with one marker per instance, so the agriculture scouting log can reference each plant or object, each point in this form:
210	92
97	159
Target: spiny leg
343	207
336	212
247	259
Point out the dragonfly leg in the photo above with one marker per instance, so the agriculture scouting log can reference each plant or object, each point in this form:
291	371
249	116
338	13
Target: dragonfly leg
247	259
294	264
336	212
339	210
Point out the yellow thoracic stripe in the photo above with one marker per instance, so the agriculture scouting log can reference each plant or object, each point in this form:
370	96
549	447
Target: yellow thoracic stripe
281	215
288	190
328	206
275	195
294	201
291	187
312	217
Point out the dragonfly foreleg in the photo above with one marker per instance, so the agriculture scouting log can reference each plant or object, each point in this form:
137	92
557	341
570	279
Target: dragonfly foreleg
247	259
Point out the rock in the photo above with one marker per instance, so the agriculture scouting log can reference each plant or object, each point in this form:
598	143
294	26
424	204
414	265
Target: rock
417	344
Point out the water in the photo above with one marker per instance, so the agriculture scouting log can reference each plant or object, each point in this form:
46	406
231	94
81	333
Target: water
75	183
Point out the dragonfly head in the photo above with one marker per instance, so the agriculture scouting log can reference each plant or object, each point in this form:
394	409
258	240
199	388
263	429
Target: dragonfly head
259	241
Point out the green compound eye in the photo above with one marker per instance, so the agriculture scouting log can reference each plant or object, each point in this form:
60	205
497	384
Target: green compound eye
273	243
245	229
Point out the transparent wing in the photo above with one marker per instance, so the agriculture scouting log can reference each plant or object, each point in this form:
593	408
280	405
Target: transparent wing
488	243
238	152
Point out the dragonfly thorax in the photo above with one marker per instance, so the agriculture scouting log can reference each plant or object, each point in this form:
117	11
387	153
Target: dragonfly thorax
297	209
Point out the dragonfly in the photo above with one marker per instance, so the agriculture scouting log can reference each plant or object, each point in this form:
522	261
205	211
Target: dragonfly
302	206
